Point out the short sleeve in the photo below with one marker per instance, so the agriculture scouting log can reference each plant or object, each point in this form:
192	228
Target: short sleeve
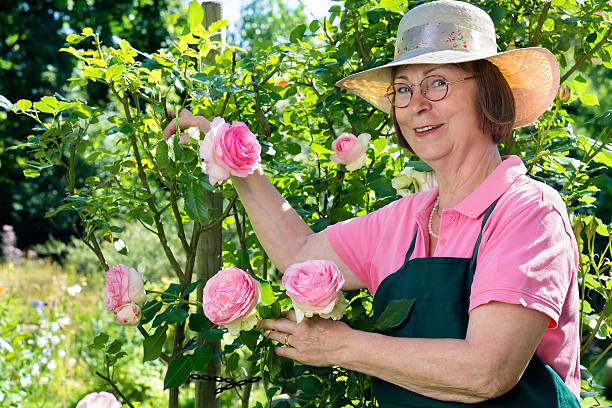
527	257
356	240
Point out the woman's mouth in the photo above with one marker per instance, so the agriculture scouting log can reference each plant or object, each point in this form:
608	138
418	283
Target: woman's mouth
425	130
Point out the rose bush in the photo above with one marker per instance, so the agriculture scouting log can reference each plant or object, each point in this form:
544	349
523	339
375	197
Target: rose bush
314	287
125	294
230	298
350	150
229	150
99	400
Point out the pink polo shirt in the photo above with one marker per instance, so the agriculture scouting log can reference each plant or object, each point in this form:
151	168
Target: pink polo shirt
527	256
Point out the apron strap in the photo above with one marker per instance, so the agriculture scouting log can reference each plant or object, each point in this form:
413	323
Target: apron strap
411	247
477	246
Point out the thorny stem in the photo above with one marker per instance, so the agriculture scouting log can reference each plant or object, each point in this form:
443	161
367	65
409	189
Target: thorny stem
539	153
117	390
216	222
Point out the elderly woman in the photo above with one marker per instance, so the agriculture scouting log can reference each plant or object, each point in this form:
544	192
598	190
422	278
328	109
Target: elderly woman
489	254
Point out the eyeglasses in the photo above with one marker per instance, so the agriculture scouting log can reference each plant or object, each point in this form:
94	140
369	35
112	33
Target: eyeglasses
433	87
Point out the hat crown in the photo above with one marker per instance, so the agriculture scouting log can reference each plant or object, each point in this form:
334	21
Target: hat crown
449	11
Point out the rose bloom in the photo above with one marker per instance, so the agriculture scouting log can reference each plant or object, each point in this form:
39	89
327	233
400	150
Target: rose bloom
99	400
230	298
421	180
229	150
350	150
128	314
314	287
123	285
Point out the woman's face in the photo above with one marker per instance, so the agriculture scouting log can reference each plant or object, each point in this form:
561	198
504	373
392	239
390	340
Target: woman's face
441	129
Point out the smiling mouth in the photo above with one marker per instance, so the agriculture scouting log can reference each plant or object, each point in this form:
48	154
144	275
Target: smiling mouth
426	128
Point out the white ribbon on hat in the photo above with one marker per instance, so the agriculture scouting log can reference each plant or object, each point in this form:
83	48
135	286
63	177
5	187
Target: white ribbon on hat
444	36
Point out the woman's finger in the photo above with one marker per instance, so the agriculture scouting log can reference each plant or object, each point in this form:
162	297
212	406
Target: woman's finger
279	325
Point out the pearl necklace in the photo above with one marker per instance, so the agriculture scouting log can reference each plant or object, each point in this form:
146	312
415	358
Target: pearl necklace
433	210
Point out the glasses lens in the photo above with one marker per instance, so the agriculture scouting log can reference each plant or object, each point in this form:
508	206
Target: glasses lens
434	88
399	94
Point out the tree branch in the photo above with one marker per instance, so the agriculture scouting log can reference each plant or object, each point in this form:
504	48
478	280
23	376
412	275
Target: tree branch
534	36
117	390
588	54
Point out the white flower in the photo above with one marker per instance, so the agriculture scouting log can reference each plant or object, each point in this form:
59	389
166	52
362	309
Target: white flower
61	353
421	181
42	341
74	289
64	320
119	245
55	326
52	365
25	380
55	340
35	370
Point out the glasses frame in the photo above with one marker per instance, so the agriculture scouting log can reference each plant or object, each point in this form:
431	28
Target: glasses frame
391	90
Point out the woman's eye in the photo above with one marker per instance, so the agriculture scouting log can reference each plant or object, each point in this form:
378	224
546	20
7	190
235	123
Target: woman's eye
439	82
402	89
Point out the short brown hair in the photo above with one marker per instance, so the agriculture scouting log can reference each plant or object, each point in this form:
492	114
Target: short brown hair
495	101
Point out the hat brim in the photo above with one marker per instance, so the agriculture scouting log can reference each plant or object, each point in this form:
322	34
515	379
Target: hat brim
532	73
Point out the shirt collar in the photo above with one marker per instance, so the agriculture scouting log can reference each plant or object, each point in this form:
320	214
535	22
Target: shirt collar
492	188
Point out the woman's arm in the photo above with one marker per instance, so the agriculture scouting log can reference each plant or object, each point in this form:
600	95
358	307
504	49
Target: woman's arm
282	232
500	340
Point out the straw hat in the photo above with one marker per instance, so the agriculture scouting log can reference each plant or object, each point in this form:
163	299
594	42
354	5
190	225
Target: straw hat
449	31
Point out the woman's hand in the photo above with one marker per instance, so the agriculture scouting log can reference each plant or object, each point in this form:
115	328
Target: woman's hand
314	341
185	120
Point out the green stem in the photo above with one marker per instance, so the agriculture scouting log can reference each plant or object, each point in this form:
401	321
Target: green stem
176	297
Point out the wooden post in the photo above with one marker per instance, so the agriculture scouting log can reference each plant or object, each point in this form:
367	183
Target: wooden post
209	248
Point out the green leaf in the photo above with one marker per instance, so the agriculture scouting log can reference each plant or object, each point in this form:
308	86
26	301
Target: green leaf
297	33
74	38
217	25
309	385
243	260
198	322
51	101
379	144
178	371
589	99
87	31
195	203
394	314
320	149
391	5
161	155
99	341
113	71
149	310
382	187
114	347
31	173
213	335
24	104
232	362
43	107
249	338
191	287
201	357
153	344
267	294
195	14
177	315
171	293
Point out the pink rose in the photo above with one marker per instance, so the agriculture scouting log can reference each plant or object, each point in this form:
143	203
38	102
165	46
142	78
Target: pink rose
123	285
230	298
229	150
314	287
350	150
128	314
99	400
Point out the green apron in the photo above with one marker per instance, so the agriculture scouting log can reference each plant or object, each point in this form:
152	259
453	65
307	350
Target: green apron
441	287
